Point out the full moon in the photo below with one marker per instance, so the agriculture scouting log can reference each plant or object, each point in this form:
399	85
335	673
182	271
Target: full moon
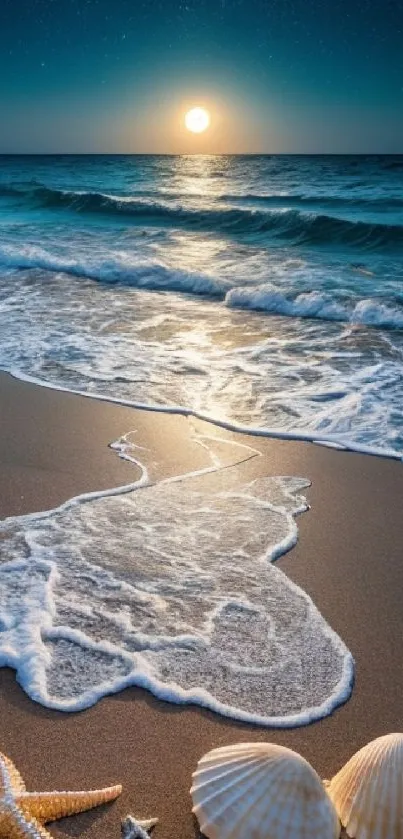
197	120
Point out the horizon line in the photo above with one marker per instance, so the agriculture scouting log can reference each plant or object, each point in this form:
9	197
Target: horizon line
202	154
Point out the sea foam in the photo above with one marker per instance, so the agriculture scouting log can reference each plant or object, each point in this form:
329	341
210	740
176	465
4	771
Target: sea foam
314	304
125	269
122	268
170	586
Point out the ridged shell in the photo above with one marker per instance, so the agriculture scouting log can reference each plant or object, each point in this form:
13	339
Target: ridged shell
261	791
368	791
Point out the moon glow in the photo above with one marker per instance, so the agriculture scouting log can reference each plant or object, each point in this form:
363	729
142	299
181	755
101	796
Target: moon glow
197	120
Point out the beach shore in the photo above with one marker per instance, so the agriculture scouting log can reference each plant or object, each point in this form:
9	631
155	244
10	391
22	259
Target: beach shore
348	558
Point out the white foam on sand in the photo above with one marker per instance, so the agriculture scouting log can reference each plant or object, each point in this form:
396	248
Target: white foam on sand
338	441
173	590
300	380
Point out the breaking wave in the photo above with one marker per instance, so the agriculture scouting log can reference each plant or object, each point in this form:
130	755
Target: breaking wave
123	269
114	270
315	304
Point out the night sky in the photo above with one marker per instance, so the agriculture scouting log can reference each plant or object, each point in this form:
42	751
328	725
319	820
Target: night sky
277	75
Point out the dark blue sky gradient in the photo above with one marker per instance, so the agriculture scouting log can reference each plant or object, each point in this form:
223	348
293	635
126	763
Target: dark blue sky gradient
278	75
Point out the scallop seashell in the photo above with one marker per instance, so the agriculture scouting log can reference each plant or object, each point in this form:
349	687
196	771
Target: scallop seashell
368	791
261	791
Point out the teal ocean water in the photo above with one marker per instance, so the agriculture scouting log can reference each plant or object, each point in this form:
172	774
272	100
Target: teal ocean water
263	291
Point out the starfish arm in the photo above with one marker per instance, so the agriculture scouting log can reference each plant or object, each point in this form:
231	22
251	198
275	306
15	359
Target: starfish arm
14	825
48	806
10	778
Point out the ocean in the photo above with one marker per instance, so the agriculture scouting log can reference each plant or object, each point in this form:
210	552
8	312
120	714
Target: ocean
260	292
264	291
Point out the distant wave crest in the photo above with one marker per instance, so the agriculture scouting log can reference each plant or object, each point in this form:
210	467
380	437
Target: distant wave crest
297	226
307	200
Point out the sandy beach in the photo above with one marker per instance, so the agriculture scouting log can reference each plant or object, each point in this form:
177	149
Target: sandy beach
348	558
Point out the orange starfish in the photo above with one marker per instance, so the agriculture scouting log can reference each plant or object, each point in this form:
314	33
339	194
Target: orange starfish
23	814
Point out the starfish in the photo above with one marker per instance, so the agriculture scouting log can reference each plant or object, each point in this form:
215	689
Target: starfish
23	814
137	828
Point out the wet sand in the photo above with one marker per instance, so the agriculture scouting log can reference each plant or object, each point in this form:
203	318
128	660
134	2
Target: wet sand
348	558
